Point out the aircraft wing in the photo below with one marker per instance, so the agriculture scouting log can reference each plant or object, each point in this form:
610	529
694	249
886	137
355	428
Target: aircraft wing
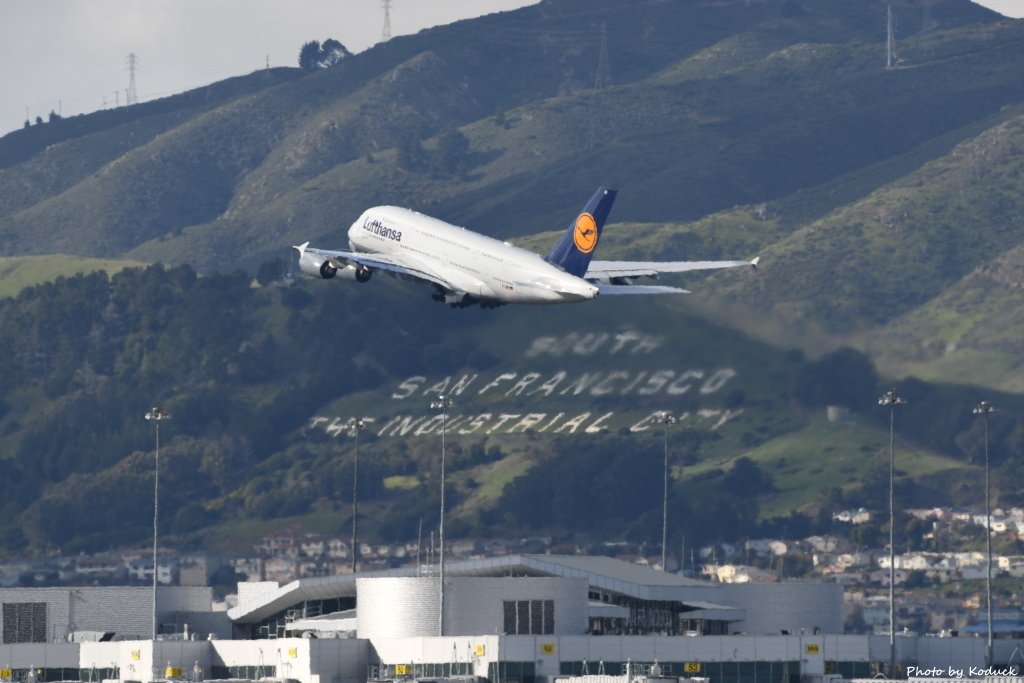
606	270
606	289
399	265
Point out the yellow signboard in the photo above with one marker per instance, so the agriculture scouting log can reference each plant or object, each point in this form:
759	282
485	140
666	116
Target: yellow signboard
172	671
691	667
402	670
480	650
812	648
136	654
547	648
6	673
293	652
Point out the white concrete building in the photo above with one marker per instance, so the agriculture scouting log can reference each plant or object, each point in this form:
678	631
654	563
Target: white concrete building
53	615
515	619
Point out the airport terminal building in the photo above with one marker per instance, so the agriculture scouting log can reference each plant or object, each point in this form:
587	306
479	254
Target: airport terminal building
512	619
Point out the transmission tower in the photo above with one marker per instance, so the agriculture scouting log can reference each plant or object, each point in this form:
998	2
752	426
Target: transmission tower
890	40
595	113
131	96
604	74
385	34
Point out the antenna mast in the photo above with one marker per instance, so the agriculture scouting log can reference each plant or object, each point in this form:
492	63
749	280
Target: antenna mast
131	96
385	34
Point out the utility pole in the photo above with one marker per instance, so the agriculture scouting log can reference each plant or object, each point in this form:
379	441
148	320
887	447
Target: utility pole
355	425
665	419
385	34
443	403
890	400
983	409
604	73
131	96
156	416
890	40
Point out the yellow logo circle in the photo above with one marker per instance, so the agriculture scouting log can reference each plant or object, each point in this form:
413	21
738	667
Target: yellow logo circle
585	234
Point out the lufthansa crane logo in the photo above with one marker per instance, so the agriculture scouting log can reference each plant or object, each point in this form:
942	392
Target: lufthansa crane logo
585	233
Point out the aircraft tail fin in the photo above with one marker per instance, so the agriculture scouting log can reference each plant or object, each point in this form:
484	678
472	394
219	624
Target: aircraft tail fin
574	251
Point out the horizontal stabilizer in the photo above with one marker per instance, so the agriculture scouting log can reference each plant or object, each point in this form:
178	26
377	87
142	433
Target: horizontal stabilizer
613	290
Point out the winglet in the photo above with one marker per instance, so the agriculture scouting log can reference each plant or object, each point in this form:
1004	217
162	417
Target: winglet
753	263
301	248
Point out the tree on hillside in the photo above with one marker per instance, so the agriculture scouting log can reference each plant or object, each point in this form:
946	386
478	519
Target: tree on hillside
411	154
452	153
271	271
843	377
332	52
747	476
313	55
309	54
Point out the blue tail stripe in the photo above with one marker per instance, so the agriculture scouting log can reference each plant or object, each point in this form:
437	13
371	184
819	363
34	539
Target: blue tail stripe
574	251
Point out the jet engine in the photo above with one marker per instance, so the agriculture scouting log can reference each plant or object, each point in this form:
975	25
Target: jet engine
318	266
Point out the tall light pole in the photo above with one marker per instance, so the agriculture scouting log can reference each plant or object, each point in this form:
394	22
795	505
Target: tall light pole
664	418
156	416
443	402
983	409
355	425
892	399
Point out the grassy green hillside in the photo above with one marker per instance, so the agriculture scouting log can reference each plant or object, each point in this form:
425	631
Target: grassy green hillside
261	380
918	236
19	272
806	465
971	330
885	204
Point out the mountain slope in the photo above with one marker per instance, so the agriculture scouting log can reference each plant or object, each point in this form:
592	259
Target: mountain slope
885	205
261	381
722	136
917	236
970	330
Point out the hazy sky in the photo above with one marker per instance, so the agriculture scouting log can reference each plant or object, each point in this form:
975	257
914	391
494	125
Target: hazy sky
72	54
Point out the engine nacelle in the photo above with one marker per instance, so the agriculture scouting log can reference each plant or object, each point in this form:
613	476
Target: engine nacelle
317	266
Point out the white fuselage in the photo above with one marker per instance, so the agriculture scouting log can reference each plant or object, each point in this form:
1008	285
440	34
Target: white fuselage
471	263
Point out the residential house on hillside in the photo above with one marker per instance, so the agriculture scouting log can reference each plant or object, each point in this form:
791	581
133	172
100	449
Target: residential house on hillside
881	576
737	573
337	549
825	544
1011	564
312	546
858	516
105	567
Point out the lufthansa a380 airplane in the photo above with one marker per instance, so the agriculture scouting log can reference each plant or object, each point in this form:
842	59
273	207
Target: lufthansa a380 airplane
467	268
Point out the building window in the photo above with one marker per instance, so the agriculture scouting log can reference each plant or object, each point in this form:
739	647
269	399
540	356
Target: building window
549	616
24	622
528	617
